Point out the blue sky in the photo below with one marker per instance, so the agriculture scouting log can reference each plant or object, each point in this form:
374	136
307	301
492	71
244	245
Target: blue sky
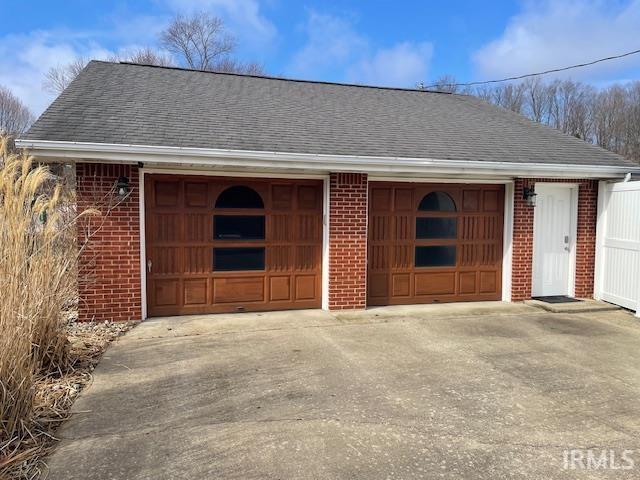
373	42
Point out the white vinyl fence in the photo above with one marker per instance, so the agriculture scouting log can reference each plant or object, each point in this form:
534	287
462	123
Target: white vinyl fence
617	276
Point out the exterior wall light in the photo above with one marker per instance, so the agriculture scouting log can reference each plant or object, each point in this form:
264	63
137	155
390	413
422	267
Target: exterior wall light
122	188
529	196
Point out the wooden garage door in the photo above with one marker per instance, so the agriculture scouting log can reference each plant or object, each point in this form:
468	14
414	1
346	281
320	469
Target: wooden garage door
232	244
434	243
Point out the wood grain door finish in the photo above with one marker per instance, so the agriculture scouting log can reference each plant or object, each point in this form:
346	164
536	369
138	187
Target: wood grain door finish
434	243
204	255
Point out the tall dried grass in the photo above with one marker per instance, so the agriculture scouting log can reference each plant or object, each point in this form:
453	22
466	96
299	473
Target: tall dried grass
38	254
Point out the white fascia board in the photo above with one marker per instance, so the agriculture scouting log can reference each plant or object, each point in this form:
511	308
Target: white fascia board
320	163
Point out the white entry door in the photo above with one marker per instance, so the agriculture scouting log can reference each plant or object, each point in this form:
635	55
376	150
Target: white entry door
553	240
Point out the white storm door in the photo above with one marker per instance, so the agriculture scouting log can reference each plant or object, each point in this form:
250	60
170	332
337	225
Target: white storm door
552	240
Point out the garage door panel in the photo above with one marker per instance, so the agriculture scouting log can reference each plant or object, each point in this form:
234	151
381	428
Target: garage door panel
403	227
238	290
195	291
379	228
280	227
308	227
309	198
471	200
167	260
444	244
489	282
378	285
280	258
308	257
206	234
197	227
403	200
305	287
468	283
432	283
165	292
491	201
196	194
282	197
167	193
197	259
379	257
380	198
280	288
401	284
402	256
166	227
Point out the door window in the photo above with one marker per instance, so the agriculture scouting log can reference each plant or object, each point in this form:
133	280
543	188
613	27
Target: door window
436	221
243	234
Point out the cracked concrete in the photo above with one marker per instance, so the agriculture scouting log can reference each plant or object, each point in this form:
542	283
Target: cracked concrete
486	391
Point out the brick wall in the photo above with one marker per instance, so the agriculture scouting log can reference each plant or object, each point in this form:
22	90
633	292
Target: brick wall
523	238
109	271
347	241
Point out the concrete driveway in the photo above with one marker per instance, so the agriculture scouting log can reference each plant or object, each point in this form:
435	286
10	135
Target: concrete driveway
482	391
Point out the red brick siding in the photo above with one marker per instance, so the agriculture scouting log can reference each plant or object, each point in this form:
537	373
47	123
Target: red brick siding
523	238
586	238
109	283
347	241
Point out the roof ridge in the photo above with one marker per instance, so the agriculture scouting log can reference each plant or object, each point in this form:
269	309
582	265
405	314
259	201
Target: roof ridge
284	79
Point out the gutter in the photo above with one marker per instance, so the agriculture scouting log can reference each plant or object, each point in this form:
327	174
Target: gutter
48	150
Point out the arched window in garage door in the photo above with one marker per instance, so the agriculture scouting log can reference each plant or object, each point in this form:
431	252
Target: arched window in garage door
239	230
436	231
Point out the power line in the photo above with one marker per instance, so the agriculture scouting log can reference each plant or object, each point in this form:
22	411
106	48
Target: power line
520	77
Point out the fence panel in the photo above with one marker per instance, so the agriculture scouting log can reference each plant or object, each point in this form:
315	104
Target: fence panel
618	245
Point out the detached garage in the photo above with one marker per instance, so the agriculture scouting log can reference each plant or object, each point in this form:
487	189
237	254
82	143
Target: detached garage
230	193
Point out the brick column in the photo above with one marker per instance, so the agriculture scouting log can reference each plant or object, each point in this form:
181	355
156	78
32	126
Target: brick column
523	238
347	241
586	238
109	268
522	246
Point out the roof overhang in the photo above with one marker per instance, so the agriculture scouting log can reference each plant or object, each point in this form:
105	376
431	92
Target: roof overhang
224	159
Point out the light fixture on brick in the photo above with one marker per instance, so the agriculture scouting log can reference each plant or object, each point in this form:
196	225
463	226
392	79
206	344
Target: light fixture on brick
122	188
529	196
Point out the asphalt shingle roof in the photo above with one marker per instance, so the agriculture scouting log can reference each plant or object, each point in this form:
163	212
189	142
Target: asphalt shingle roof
132	104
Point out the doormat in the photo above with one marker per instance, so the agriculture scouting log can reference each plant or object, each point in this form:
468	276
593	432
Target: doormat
557	299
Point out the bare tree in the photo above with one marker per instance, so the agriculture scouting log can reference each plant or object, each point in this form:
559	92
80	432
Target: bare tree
510	96
199	40
146	56
609	117
537	100
59	77
229	65
445	83
632	122
15	117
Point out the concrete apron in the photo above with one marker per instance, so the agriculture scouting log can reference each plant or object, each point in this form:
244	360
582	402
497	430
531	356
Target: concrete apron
485	390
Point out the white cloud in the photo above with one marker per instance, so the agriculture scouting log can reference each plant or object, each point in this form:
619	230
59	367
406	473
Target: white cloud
336	50
403	65
28	57
331	41
554	34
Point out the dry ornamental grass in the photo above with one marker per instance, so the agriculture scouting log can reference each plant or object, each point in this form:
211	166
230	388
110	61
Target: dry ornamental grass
45	358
